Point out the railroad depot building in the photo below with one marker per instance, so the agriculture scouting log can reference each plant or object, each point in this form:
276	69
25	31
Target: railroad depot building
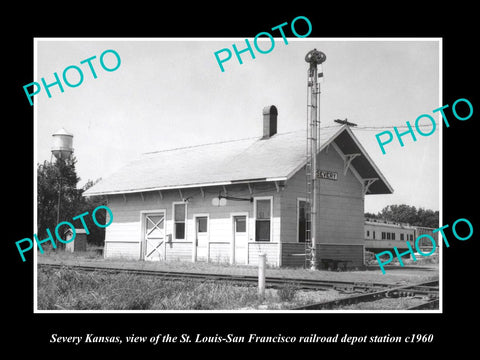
229	201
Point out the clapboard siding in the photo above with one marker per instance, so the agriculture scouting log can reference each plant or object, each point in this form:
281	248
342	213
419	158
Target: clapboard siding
122	250
341	209
268	248
219	252
341	220
291	254
178	251
120	232
127	213
294	189
340	217
219	230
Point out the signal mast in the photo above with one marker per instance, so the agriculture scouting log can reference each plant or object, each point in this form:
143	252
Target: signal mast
314	58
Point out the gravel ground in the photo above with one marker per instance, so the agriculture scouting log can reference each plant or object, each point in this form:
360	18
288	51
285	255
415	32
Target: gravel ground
385	304
394	275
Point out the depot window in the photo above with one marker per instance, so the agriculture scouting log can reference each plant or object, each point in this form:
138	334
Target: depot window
179	214
263	219
302	222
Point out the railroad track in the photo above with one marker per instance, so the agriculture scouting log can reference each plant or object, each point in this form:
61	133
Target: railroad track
367	290
427	305
272	282
428	291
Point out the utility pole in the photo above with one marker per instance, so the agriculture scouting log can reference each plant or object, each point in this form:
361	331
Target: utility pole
314	58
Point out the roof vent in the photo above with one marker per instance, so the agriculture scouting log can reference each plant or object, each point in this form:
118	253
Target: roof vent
269	121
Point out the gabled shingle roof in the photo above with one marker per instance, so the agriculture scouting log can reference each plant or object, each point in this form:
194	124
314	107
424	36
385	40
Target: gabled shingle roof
222	163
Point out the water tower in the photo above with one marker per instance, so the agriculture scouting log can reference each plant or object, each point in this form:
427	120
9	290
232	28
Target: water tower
62	144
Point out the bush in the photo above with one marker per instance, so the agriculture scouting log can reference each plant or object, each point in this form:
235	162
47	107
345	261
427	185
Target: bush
287	292
370	257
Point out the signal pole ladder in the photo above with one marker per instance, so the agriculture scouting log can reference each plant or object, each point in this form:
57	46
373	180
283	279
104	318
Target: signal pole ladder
314	58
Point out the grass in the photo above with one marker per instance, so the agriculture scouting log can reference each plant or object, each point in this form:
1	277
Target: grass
68	289
74	290
287	292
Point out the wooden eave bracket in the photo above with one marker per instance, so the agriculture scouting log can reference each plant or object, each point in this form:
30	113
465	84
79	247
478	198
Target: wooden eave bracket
348	160
277	186
367	183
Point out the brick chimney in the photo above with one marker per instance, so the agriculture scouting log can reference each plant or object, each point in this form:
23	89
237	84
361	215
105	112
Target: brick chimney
269	121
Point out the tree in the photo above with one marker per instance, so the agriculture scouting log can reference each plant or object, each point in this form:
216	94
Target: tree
408	214
56	181
371	215
59	180
428	218
400	213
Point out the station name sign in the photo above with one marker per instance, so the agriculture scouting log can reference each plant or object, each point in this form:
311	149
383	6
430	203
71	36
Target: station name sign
329	175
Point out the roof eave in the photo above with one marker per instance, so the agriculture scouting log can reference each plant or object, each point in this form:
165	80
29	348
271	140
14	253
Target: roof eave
364	153
185	186
374	166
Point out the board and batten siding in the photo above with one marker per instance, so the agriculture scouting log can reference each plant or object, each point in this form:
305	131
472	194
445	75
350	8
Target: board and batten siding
340	215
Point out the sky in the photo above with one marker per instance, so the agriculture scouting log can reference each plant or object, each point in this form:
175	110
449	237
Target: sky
170	93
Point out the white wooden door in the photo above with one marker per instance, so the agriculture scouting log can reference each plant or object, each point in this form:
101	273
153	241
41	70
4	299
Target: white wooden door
154	234
201	236
240	239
